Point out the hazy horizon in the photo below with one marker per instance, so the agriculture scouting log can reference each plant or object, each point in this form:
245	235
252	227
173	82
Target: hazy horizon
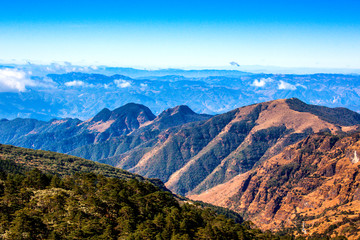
69	67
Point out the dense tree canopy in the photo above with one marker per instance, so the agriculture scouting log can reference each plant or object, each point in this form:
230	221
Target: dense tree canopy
35	205
45	195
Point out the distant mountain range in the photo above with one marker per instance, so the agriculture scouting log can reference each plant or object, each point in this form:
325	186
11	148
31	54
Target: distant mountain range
38	94
189	152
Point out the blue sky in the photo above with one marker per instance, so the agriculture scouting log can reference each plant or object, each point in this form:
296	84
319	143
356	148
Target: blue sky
151	34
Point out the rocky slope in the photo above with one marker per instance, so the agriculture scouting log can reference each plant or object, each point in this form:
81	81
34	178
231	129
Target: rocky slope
312	187
201	155
189	152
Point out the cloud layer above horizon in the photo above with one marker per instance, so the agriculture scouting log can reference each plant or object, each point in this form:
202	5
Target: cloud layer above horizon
18	80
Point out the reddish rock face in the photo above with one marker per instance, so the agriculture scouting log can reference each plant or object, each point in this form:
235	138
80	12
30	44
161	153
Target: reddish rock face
314	181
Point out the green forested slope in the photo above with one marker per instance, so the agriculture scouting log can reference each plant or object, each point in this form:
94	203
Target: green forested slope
59	164
78	205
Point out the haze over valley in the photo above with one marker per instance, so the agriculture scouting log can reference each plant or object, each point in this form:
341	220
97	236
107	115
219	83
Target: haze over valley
33	91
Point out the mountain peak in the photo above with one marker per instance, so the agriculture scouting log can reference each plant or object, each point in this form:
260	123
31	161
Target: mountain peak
181	109
103	115
172	117
180	114
120	121
134	109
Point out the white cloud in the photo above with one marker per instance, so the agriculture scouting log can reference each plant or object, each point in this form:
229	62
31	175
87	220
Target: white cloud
300	85
14	80
286	86
262	82
75	83
122	83
143	86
